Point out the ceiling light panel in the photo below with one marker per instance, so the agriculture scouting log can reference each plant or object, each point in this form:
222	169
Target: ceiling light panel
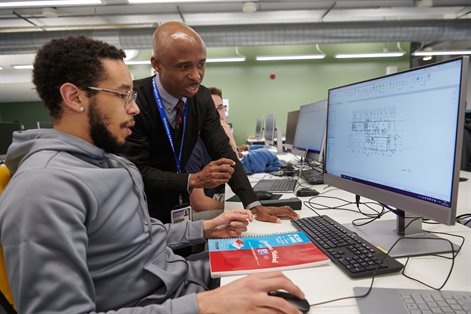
49	3
225	59
289	58
441	53
369	55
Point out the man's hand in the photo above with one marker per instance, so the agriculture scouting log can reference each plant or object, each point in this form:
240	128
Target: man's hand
229	224
215	173
272	214
250	295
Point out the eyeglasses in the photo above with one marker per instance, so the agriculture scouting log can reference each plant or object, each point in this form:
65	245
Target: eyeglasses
128	97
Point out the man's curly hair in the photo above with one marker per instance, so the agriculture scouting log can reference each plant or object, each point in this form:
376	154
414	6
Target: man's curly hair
74	59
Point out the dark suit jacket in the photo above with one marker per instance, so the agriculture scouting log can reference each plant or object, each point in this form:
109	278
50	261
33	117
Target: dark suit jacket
150	150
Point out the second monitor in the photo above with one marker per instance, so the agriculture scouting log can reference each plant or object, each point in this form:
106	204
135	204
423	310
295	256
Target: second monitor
310	131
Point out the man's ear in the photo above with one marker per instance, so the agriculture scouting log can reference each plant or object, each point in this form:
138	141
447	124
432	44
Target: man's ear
73	97
155	63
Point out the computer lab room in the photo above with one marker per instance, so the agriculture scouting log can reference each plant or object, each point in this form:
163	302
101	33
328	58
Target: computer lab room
235	156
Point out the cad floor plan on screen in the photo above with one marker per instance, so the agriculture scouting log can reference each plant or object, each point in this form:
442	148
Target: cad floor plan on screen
374	132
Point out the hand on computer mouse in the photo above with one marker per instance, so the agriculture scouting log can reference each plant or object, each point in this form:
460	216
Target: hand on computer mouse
302	304
306	192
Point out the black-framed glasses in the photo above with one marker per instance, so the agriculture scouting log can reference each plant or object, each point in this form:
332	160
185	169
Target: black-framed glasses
221	107
128	97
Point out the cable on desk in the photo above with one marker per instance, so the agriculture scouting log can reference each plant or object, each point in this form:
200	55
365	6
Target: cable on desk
405	265
318	206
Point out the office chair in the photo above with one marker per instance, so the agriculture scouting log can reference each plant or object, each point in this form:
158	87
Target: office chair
6	297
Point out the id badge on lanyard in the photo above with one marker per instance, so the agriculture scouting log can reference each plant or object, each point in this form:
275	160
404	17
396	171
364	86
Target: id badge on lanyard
181	213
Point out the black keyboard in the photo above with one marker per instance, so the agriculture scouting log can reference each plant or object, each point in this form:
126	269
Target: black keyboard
354	255
313	176
276	185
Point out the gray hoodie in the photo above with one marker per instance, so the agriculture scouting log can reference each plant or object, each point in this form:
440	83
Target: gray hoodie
77	236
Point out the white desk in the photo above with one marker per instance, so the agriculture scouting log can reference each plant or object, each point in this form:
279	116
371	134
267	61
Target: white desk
329	282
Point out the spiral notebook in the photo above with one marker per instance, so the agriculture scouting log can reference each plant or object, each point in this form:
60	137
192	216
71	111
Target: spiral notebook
262	253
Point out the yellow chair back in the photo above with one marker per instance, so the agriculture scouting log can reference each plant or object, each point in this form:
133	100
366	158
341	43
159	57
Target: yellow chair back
4	285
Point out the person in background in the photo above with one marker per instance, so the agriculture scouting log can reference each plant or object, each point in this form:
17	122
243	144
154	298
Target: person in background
211	198
175	110
216	95
74	226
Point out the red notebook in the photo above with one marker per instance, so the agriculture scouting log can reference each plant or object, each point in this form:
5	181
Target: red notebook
238	256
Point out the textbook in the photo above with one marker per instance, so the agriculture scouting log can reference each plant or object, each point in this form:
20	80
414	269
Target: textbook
272	252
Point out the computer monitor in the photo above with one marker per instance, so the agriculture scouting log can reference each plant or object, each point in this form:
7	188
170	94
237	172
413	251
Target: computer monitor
270	129
291	123
397	140
259	128
310	131
6	135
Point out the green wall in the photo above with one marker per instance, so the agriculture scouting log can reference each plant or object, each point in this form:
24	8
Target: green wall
28	113
249	88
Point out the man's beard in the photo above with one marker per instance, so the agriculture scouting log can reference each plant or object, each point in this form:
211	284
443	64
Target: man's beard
100	135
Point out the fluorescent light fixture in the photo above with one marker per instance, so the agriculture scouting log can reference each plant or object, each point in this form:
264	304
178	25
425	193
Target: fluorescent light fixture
441	53
427	58
137	62
23	67
369	55
227	59
176	1
293	57
47	3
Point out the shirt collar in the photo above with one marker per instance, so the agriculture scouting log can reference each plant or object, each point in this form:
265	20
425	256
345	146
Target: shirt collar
169	100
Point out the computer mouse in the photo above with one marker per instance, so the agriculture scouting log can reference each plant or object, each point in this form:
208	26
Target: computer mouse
263	195
301	304
306	192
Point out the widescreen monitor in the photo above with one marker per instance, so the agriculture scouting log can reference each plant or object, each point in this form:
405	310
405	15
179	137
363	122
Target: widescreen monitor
270	129
310	131
397	140
259	128
291	122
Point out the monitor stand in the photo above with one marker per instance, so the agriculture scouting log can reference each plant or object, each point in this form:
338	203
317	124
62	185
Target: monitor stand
384	233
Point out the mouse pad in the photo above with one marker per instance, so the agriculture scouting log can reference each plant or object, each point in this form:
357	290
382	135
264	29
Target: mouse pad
235	198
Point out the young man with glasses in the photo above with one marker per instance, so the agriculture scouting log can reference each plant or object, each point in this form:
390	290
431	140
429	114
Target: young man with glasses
179	59
74	227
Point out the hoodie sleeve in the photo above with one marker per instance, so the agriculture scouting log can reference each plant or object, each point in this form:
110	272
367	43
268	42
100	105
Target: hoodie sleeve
43	231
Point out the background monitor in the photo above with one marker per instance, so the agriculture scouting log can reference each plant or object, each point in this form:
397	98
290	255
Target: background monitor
397	140
291	123
259	128
270	129
6	135
310	131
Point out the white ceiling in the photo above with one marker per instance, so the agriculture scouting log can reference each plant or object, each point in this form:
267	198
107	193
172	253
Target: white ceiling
19	26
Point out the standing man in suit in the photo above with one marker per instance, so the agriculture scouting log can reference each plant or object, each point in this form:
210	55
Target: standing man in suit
175	110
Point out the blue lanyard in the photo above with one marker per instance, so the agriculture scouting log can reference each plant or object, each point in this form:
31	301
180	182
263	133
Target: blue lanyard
163	116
